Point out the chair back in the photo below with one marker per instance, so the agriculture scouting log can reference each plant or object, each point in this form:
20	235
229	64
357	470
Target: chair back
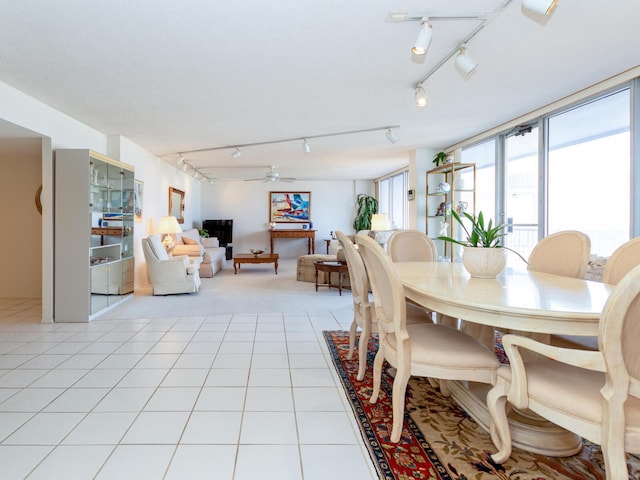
618	340
564	253
388	294
621	261
357	273
411	246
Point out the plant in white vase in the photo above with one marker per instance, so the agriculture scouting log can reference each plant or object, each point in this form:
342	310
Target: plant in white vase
483	255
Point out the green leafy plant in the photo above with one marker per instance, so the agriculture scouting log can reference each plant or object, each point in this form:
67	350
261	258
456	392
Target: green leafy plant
203	233
440	158
366	206
480	235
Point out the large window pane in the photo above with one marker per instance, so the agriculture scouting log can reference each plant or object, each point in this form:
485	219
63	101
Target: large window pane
521	191
589	171
484	156
392	199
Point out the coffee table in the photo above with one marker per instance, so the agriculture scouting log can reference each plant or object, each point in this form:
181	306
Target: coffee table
239	258
329	268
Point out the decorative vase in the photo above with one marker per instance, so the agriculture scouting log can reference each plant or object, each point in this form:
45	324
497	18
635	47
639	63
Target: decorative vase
483	262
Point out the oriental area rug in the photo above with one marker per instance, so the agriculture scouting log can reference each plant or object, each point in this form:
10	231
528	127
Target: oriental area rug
439	440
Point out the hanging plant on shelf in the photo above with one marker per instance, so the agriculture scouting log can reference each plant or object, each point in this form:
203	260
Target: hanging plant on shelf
440	158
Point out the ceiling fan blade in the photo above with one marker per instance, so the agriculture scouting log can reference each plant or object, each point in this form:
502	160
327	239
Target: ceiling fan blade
253	179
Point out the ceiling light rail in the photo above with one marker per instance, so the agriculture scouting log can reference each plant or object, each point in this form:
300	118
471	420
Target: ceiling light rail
306	138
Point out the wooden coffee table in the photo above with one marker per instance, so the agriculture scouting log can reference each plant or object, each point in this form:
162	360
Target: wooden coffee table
239	258
331	267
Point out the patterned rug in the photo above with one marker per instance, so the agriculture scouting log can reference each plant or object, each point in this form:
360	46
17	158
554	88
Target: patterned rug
439	440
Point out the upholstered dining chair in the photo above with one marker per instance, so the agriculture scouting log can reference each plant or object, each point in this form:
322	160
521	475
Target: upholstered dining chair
169	275
563	253
363	311
595	394
621	261
411	246
422	349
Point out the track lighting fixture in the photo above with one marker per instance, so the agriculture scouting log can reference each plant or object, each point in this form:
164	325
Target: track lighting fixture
184	166
390	136
423	39
236	153
421	97
465	63
541	7
180	160
306	146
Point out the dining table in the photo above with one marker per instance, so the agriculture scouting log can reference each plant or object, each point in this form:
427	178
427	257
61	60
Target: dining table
518	300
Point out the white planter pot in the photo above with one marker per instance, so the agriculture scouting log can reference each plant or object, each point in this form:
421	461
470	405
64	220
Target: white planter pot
484	262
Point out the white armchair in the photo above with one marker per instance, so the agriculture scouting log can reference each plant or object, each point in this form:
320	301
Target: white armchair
169	275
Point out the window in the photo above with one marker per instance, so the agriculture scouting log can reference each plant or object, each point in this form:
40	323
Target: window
589	171
484	156
392	199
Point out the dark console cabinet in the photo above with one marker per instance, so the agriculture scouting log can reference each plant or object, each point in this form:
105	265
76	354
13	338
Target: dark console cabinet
223	230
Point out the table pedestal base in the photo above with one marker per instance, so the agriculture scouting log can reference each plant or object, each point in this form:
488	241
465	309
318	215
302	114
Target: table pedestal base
528	431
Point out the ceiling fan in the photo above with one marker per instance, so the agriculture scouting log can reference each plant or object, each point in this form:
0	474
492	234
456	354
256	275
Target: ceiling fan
272	176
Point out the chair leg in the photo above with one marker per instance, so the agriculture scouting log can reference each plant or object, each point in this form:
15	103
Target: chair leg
397	400
377	374
500	433
363	347
352	338
613	428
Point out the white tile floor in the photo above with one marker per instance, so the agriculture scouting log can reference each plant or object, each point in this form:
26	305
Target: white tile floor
217	397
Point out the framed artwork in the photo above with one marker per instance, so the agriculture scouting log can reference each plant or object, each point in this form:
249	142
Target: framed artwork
138	188
176	204
289	207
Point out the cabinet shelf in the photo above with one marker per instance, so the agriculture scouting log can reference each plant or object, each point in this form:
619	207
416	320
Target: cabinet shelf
94	260
462	174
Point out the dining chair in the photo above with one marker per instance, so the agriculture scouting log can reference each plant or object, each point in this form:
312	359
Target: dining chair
421	349
563	253
363	311
621	261
594	394
411	246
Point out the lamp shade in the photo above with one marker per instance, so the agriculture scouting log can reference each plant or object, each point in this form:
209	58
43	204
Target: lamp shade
423	39
465	63
380	221
168	225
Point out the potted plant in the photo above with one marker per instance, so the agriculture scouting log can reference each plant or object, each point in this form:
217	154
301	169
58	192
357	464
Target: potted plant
366	206
483	255
440	158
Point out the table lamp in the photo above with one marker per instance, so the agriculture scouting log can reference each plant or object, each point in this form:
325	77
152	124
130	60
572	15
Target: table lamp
380	221
167	226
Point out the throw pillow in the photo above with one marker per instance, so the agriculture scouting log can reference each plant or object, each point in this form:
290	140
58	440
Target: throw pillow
189	241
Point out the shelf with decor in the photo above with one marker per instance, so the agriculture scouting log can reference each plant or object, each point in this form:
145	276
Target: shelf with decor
93	252
449	186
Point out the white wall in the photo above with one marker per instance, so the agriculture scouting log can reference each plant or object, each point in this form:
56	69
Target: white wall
157	176
247	203
57	130
21	244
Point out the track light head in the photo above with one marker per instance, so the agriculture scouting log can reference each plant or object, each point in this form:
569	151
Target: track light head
184	166
390	136
236	153
306	146
541	7
180	160
421	45
421	97
464	63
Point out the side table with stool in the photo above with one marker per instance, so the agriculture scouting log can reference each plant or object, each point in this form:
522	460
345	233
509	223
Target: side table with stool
328	268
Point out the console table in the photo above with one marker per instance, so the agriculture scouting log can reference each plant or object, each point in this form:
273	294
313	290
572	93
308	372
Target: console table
310	235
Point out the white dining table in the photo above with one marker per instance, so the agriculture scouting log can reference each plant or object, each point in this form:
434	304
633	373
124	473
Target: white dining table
516	300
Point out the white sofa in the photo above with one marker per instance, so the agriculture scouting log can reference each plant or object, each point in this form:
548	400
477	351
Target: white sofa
213	255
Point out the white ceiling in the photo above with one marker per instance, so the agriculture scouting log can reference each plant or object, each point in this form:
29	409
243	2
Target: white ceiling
178	76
